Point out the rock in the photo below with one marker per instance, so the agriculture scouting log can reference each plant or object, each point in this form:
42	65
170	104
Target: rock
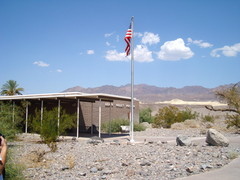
145	163
190	169
104	177
115	142
215	138
124	164
130	172
93	170
183	141
64	168
146	124
95	140
82	174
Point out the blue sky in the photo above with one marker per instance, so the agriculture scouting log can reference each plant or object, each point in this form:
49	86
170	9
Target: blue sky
51	45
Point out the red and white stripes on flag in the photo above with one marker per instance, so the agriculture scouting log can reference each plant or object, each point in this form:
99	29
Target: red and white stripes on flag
128	39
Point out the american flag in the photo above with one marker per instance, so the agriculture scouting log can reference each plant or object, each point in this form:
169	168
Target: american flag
128	39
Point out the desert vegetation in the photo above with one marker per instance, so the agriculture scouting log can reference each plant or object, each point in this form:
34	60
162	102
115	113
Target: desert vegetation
115	126
169	115
232	97
10	127
48	128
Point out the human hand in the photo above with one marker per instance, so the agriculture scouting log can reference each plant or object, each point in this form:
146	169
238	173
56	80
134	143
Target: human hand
3	141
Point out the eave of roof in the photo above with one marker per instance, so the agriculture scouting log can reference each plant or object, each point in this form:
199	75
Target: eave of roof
66	95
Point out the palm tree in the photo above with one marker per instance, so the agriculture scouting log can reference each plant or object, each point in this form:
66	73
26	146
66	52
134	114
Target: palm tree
11	88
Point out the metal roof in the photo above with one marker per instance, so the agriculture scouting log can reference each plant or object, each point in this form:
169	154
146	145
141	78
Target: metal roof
67	95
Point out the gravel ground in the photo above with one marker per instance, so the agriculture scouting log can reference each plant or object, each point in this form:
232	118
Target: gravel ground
115	158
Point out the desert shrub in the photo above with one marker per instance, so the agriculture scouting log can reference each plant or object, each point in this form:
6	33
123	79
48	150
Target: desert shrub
233	155
48	128
208	118
187	114
8	126
169	115
233	120
13	170
139	127
145	115
114	125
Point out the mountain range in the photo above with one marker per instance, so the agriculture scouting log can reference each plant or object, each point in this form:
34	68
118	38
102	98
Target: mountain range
150	94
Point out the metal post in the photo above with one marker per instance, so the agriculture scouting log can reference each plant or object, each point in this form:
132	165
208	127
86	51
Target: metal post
59	106
13	114
92	120
110	118
41	112
78	118
26	127
100	118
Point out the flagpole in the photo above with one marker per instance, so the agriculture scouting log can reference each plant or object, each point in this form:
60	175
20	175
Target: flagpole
132	81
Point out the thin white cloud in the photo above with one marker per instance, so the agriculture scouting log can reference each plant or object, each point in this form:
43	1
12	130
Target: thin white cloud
41	64
138	34
174	50
229	51
113	55
90	52
59	70
117	38
199	43
108	43
141	54
108	34
150	38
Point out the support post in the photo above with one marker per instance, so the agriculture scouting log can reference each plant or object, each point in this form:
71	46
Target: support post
13	112
110	119
59	108
92	120
100	118
26	127
78	118
41	112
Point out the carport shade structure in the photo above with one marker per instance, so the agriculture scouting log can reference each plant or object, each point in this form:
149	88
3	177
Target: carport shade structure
68	96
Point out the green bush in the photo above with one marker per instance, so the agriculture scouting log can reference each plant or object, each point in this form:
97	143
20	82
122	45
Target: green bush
208	118
9	129
114	125
169	115
145	115
10	123
13	170
233	120
48	128
139	127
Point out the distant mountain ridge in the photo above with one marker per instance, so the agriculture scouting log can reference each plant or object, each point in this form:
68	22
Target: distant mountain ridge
147	93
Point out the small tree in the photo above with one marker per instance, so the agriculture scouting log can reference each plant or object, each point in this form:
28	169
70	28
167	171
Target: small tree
146	115
48	128
232	97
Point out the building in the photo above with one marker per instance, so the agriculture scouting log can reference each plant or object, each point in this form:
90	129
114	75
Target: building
91	109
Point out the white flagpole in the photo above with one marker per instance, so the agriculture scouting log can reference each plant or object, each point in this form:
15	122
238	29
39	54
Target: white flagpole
132	80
